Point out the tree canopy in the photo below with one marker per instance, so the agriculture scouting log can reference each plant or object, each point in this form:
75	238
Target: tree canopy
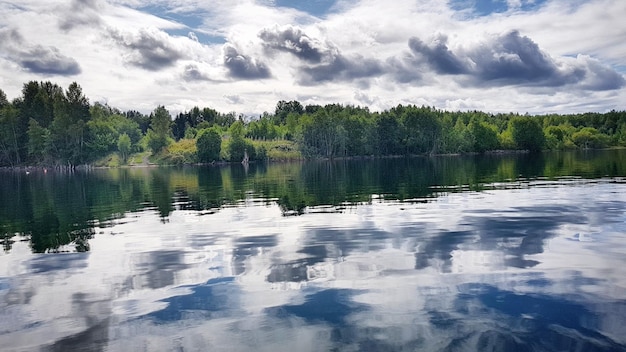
52	126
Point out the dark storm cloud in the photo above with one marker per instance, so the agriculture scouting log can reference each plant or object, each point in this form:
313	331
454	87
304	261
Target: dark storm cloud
340	68
508	59
438	56
48	60
80	13
322	61
515	59
243	66
149	49
293	40
36	58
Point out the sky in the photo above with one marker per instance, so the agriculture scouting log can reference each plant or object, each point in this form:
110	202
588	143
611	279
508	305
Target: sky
243	56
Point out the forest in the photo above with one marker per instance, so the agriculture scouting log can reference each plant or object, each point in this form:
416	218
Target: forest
51	126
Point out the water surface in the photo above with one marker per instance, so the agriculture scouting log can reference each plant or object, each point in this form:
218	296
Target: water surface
513	252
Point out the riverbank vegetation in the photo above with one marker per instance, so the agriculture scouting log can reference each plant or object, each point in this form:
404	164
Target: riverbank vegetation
48	125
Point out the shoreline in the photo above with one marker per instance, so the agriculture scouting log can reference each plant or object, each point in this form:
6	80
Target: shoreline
82	167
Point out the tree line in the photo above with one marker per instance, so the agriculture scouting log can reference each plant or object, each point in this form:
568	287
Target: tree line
48	125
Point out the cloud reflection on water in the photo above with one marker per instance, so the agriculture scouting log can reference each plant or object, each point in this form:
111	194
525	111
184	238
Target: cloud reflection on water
496	270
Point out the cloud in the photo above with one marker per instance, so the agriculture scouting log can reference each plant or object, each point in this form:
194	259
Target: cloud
36	58
598	76
233	99
49	60
502	60
293	40
149	48
341	68
80	13
323	62
389	49
403	69
364	98
515	59
438	56
243	66
193	73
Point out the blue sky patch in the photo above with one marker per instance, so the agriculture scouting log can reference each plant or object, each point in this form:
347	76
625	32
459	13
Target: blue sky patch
318	8
488	7
202	37
190	20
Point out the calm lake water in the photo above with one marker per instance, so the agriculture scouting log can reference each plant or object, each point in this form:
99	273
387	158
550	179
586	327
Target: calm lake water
488	253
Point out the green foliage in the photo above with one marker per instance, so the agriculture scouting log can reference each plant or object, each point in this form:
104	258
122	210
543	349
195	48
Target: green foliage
236	130
458	139
262	128
3	99
38	139
123	147
560	136
527	133
158	136
281	150
181	152
421	128
209	145
50	125
156	142
388	135
261	153
322	136
237	149
506	140
589	137
9	135
69	127
284	108
484	136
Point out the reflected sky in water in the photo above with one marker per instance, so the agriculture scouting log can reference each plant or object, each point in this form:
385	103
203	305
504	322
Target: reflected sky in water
539	266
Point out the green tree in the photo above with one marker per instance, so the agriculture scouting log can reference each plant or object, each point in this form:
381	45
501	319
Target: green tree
123	147
69	127
284	108
458	139
421	127
589	137
484	136
3	99
236	130
159	133
38	139
237	149
559	137
209	145
322	135
9	135
527	133
388	135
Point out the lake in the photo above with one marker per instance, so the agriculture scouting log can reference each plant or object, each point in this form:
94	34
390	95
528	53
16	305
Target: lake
455	253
